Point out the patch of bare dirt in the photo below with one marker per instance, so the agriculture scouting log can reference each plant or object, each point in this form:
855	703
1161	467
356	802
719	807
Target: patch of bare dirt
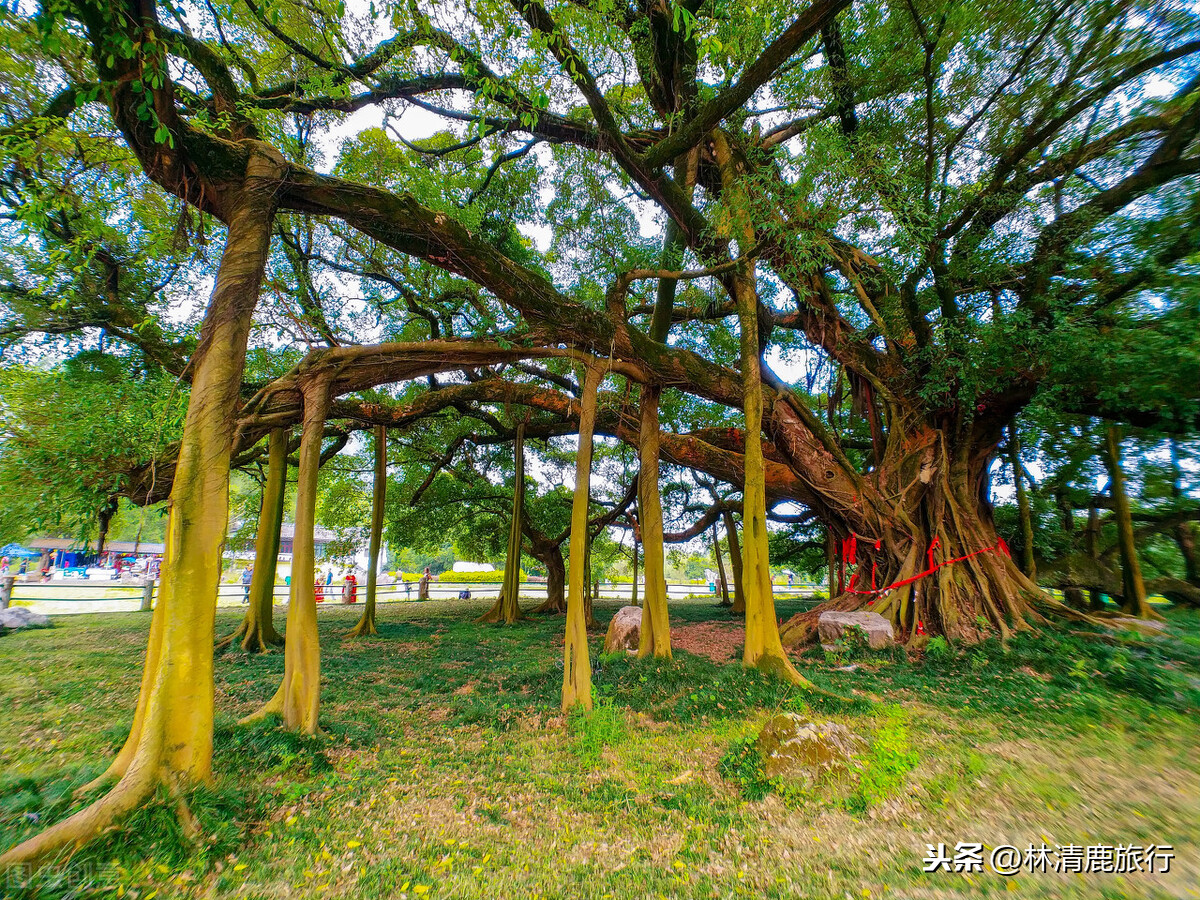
719	641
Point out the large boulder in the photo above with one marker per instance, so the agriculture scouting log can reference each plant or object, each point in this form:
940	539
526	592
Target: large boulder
19	617
797	748
624	631
832	625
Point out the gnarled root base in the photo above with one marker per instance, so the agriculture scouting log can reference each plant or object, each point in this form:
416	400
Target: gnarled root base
556	606
254	637
131	792
502	611
366	625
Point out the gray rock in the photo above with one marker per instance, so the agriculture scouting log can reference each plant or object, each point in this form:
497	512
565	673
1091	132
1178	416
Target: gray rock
19	617
797	748
625	630
832	625
1149	627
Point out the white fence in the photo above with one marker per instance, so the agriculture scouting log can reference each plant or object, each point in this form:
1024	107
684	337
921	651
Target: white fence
66	597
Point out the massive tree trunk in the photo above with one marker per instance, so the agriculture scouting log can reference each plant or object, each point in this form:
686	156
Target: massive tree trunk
763	648
1028	565
366	625
655	636
298	698
930	559
507	608
170	742
1134	588
257	632
577	667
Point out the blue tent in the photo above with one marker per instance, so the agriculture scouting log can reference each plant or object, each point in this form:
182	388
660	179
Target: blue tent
16	550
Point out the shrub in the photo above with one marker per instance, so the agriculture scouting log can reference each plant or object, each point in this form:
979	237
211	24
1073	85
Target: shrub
477	577
939	651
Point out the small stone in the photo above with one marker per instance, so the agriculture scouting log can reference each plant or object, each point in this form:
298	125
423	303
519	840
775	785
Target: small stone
794	747
832	625
1151	627
624	631
20	617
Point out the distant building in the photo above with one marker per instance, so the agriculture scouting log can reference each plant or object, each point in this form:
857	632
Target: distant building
322	537
473	567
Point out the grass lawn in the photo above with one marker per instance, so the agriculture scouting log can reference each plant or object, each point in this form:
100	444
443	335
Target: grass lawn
446	770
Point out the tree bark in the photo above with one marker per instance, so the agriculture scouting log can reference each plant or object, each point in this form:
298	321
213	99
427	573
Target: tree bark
831	560
298	698
577	667
103	518
735	563
655	635
507	608
257	632
366	625
549	554
634	593
1185	532
1092	545
1028	564
763	649
1134	600
171	739
722	580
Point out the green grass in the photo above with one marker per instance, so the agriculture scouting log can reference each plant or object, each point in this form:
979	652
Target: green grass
445	765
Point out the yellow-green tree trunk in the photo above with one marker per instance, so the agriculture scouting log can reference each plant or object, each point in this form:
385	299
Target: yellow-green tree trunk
170	742
366	624
1134	587
735	563
577	667
299	694
655	636
763	648
722	578
507	608
257	632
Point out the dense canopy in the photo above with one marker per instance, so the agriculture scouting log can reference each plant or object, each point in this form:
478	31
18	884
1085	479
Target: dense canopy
821	261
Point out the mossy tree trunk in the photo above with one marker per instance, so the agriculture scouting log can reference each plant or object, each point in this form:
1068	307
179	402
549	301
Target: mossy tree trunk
577	667
763	648
735	563
1028	564
171	740
831	560
633	596
507	608
366	624
257	632
1134	600
1185	532
655	635
549	553
103	520
722	580
298	698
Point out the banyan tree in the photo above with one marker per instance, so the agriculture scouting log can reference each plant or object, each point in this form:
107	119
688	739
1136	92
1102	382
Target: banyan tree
824	253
